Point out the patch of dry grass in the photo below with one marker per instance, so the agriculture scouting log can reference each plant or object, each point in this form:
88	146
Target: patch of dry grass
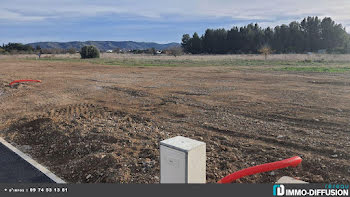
288	57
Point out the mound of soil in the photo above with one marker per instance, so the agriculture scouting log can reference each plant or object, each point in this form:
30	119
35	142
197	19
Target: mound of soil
92	145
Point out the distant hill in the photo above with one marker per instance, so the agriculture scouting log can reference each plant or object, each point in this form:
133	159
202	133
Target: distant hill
104	45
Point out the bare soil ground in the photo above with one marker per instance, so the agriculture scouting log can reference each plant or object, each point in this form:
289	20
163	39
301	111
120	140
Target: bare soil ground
95	123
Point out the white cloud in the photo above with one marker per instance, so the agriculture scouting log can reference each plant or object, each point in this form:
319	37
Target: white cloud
248	9
14	16
271	12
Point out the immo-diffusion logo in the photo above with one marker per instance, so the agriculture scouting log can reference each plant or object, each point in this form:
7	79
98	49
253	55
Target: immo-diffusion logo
278	190
328	190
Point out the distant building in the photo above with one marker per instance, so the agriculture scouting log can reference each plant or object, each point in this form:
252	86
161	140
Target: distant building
109	51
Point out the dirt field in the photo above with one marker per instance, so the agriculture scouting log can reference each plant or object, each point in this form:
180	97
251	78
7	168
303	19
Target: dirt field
93	123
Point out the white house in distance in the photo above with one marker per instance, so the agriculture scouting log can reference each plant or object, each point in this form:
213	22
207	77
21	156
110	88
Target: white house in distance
109	51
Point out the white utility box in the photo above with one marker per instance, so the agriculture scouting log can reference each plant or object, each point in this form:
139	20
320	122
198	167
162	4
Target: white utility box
182	160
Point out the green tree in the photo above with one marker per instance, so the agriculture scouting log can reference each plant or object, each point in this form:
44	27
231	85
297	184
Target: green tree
296	38
312	31
220	45
18	47
268	35
186	43
312	34
196	44
89	51
209	41
234	40
333	35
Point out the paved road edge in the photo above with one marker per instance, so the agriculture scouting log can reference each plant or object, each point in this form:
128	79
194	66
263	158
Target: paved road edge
32	162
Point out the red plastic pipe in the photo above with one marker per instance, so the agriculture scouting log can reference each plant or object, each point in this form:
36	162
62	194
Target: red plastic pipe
24	80
291	162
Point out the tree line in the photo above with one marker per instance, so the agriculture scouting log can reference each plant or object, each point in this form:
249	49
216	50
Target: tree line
18	48
310	35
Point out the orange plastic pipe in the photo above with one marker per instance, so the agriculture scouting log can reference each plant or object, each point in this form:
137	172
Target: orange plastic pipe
291	162
24	80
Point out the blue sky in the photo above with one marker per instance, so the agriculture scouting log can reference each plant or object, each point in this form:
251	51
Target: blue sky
160	21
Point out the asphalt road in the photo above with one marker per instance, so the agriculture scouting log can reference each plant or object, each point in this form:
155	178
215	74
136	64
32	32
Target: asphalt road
14	169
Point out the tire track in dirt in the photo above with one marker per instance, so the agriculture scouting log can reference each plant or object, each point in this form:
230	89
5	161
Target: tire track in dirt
304	123
131	92
325	152
86	110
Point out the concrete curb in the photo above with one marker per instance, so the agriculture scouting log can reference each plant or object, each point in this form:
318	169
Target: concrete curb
32	162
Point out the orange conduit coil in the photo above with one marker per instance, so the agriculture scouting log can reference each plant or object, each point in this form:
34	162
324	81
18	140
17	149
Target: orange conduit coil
24	80
291	162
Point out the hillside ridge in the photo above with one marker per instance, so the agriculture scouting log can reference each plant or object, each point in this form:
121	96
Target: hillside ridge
104	45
